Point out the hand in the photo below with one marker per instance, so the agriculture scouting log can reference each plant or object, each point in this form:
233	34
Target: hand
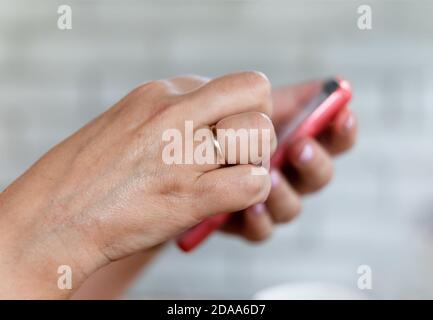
309	169
111	281
105	192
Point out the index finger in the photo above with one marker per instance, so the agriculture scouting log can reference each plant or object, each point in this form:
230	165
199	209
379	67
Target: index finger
228	95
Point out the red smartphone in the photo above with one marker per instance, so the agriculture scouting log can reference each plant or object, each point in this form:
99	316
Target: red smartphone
323	104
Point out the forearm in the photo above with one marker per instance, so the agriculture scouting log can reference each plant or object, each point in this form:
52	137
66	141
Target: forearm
34	245
33	249
111	281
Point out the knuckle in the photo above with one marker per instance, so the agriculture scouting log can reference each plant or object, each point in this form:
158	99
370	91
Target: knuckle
259	81
267	125
187	83
266	132
260	120
263	90
173	188
152	86
197	77
189	76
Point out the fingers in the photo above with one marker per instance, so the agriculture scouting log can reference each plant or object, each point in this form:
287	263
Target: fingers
310	166
253	224
230	189
341	134
283	202
257	224
229	95
246	137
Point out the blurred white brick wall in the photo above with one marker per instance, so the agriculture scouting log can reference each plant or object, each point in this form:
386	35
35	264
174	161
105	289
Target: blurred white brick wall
377	211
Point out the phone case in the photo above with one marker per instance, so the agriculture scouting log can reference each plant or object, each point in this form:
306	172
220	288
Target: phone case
310	121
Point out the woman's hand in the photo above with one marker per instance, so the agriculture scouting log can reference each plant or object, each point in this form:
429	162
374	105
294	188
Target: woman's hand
282	205
105	192
309	170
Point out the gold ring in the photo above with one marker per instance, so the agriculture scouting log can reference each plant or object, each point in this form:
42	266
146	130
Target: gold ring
220	156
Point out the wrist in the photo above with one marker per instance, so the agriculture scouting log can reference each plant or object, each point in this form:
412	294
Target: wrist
41	257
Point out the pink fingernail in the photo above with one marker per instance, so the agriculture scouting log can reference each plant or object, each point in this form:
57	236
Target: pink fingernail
258	209
275	178
306	154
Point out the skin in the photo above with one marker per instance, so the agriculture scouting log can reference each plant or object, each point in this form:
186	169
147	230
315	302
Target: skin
104	194
282	205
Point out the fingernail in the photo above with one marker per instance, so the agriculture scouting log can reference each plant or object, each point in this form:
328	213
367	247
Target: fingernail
348	124
258	209
275	178
307	153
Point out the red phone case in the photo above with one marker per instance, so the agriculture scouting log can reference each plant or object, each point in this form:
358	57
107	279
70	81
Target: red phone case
333	96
